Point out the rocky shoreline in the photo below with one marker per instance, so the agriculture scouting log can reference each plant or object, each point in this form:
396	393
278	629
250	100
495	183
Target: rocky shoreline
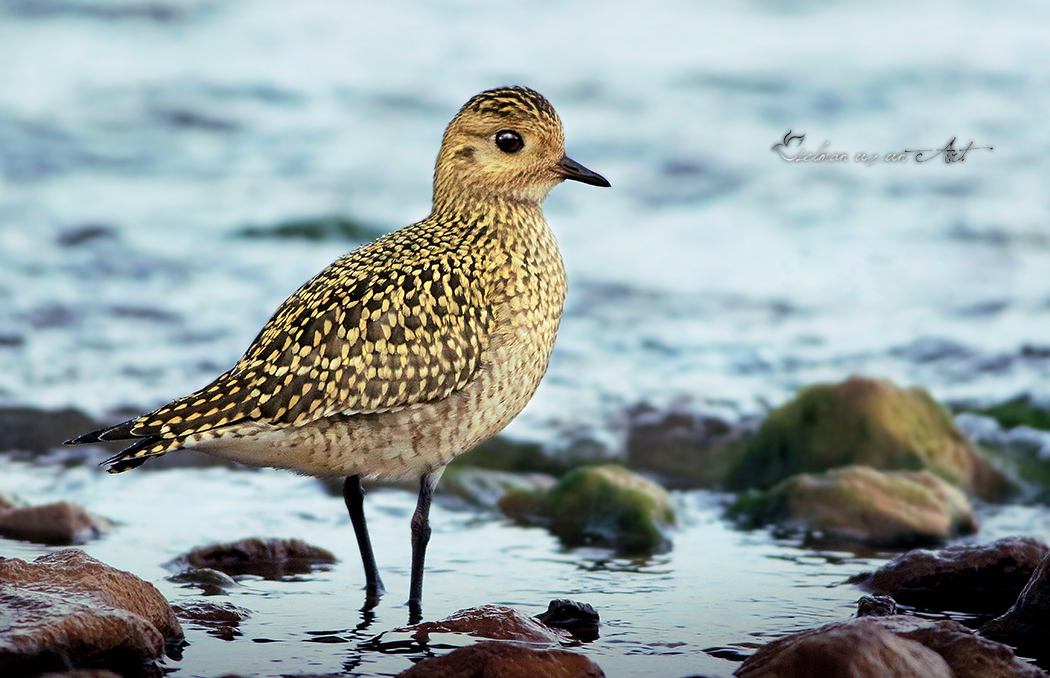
862	463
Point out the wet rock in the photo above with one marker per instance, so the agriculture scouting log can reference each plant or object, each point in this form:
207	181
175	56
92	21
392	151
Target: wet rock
68	607
82	673
684	449
860	649
1027	623
60	524
267	558
484	488
211	582
968	655
876	606
28	429
579	619
507	660
602	505
964	578
860	504
218	619
495	622
900	646
866	422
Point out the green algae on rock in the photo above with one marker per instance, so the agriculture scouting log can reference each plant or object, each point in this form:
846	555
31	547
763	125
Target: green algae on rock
869	422
862	505
599	505
1019	411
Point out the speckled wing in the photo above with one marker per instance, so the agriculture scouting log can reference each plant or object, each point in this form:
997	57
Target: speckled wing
352	340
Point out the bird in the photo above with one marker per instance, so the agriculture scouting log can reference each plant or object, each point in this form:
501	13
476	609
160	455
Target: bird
407	351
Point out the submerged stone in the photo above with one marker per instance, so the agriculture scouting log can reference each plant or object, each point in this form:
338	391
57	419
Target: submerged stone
600	505
860	504
868	422
211	582
220	620
267	558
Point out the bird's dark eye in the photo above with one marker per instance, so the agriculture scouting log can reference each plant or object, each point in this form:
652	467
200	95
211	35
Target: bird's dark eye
509	141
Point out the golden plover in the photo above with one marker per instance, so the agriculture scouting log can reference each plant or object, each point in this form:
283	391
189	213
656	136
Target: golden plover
407	351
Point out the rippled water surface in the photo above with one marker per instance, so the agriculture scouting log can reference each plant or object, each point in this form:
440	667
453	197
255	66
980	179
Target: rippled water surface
717	591
139	139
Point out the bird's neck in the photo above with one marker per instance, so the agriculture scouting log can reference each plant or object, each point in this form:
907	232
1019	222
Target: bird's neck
470	207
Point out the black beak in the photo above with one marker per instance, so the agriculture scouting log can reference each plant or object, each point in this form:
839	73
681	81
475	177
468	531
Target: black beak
570	169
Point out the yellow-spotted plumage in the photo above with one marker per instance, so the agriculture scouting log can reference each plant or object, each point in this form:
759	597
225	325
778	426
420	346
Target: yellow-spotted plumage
412	349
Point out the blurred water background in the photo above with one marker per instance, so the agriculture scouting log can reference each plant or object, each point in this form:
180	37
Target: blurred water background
150	151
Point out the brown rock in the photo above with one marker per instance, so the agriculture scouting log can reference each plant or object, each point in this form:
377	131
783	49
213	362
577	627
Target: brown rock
495	659
983	579
876	606
899	646
968	654
861	504
198	611
496	622
67	604
220	620
1027	623
28	429
579	619
59	524
267	558
858	649
683	449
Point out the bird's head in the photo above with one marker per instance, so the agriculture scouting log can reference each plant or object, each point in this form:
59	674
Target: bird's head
506	143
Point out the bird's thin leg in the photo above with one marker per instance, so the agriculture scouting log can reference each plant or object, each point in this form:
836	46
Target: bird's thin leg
420	537
354	496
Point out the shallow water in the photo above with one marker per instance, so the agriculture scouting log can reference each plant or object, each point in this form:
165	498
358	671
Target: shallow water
138	139
717	590
698	609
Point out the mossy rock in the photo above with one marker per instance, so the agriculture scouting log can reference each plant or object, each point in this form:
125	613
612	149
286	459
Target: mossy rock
861	505
1019	411
324	228
599	505
868	422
